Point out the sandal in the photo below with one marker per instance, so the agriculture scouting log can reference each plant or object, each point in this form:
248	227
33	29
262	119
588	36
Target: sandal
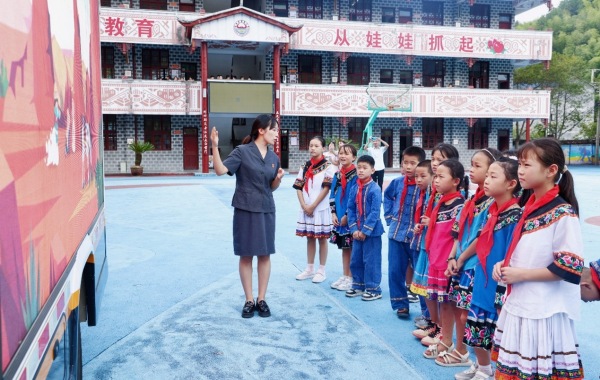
403	313
432	352
453	359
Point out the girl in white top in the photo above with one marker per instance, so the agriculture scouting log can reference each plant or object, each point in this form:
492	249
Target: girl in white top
314	219
535	334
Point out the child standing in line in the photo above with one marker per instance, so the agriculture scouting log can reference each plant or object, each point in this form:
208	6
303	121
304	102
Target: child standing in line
502	185
462	259
423	178
399	204
536	336
343	181
364	208
438	243
314	220
430	333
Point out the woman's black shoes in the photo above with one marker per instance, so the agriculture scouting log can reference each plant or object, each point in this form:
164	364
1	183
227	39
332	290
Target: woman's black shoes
263	309
248	310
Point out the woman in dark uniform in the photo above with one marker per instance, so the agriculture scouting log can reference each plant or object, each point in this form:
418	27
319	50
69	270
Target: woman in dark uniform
258	174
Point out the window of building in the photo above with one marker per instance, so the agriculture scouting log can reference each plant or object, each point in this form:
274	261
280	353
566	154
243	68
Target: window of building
433	73
479	133
105	3
388	15
405	15
187	5
359	71
154	4
155	63
356	126
386	76
157	130
433	132
503	81
189	70
505	21
309	128
280	8
360	10
108	61
310	9
503	139
433	13
479	75
109	123
406	76
480	15
309	69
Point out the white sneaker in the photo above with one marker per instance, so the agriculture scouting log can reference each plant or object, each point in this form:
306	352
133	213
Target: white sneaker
338	282
480	375
467	374
305	275
319	277
345	285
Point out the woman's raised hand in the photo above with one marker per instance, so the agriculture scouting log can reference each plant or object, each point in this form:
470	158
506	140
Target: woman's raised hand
214	137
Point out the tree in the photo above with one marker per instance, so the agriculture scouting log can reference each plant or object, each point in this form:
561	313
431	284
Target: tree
566	78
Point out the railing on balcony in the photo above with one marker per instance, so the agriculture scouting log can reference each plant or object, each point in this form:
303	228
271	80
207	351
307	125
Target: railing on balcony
351	101
151	97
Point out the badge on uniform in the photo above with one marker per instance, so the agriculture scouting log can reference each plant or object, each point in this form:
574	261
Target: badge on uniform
273	166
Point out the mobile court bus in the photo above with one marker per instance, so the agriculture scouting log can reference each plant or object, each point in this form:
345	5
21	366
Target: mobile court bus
52	235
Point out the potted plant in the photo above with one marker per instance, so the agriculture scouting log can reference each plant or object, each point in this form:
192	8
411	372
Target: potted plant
139	148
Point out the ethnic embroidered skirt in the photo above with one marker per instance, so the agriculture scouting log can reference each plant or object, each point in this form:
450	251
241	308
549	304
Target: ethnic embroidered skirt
317	226
537	348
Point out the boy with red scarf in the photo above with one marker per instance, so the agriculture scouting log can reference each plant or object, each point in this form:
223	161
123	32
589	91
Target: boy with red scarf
399	204
590	282
364	221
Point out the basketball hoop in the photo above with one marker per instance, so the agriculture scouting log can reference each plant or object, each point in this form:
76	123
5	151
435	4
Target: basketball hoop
389	97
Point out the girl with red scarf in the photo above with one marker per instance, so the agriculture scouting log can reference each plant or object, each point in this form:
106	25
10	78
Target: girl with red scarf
343	181
462	259
438	244
314	219
535	337
501	185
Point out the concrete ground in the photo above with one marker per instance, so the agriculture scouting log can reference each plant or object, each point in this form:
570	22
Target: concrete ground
172	304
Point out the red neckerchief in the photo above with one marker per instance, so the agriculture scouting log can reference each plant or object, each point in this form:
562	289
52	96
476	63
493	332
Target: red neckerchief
531	206
308	176
429	207
486	237
434	213
595	278
419	208
468	211
359	198
407	182
343	180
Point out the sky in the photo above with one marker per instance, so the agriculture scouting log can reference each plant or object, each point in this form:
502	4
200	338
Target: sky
535	13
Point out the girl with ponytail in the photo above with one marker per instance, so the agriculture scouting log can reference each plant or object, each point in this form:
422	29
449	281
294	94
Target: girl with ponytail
536	336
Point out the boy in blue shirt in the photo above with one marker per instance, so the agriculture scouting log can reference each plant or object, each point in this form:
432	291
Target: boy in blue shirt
364	221
399	204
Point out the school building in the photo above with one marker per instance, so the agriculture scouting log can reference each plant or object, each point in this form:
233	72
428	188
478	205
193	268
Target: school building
174	69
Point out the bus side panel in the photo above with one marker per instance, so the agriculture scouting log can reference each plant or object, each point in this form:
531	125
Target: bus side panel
51	174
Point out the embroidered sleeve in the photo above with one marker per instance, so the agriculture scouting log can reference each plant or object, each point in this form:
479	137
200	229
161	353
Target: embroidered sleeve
389	200
351	211
329	174
299	182
567	247
332	195
455	227
568	266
